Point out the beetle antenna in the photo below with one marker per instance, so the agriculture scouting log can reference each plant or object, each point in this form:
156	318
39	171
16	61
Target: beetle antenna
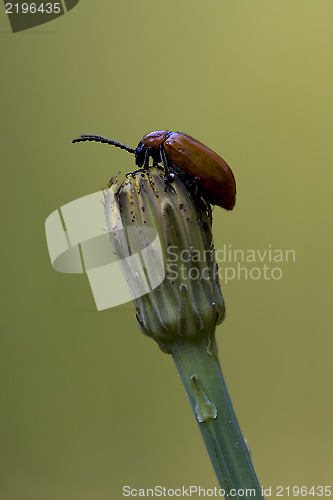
104	140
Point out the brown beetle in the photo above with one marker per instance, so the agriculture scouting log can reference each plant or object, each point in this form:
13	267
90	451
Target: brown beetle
182	153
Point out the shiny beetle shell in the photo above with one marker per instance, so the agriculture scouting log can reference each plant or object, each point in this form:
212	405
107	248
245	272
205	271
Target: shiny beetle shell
216	180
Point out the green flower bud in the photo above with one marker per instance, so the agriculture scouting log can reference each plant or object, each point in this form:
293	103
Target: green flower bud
188	303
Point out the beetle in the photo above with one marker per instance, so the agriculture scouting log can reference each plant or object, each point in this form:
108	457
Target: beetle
181	153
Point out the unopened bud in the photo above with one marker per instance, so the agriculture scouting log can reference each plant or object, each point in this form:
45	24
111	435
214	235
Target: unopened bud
188	303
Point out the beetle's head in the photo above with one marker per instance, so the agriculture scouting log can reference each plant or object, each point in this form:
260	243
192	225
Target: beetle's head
140	154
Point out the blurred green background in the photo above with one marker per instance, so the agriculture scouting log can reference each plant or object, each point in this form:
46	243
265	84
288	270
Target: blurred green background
88	404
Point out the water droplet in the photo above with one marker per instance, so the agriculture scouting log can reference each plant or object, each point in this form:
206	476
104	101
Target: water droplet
204	409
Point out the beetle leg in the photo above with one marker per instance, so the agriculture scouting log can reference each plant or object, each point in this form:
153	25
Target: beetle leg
165	162
168	175
146	160
192	185
196	182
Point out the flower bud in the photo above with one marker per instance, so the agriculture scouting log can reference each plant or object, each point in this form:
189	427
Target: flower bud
188	304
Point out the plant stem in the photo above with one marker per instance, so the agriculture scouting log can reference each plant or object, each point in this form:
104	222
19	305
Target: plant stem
206	389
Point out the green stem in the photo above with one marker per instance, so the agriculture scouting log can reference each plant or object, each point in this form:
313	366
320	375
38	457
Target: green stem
206	389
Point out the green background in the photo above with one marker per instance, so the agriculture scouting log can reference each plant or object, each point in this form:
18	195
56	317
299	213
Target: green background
88	404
